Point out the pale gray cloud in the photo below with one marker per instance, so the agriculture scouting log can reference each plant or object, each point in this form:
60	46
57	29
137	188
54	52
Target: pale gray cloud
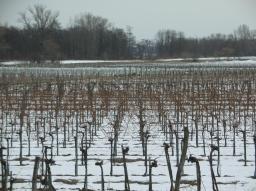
194	17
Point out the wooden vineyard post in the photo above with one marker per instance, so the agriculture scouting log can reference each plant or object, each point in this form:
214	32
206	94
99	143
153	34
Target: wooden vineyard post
100	163
29	137
111	155
1	133
234	139
42	162
52	139
11	181
254	140
20	138
76	155
176	132
142	124
214	182
57	131
37	132
84	153
196	120
225	129
126	182
218	142
8	153
151	165
177	147
4	175
65	132
171	136
35	174
203	137
90	132
22	114
182	159
198	172
166	147
3	169
48	175
244	140
82	147
146	136
116	131
84	141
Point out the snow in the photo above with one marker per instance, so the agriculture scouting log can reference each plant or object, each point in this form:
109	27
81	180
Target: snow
207	60
243	58
234	175
11	63
97	61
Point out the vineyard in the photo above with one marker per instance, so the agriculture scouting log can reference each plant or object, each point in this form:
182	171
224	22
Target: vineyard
141	126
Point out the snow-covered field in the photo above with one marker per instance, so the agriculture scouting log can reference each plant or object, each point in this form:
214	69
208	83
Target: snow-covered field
234	176
198	61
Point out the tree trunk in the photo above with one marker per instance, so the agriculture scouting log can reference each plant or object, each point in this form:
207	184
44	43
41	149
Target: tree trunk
182	159
35	173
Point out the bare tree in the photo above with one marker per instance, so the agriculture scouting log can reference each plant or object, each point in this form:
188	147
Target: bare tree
40	22
243	32
39	18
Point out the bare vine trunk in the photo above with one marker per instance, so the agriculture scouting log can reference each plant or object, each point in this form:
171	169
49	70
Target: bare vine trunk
182	159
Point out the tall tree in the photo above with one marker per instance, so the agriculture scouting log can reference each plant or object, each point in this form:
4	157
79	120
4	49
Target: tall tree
39	23
243	32
40	19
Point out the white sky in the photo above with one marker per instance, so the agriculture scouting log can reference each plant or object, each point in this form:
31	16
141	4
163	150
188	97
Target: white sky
146	17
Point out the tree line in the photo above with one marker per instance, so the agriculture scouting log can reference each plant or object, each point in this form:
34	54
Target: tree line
92	37
242	42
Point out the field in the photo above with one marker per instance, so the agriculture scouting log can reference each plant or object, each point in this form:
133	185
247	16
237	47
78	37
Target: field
143	124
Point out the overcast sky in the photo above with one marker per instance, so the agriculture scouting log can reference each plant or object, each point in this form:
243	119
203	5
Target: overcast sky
194	17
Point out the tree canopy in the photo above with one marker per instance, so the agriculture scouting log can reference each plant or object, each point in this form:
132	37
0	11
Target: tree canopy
93	37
